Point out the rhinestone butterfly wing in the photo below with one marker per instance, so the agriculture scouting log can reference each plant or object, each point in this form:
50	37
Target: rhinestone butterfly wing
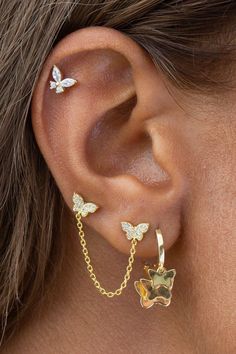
81	207
140	230
134	232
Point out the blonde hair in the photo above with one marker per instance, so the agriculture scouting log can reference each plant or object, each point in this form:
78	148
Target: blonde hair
182	38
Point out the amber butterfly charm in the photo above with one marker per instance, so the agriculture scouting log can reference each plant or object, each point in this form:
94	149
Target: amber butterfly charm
157	289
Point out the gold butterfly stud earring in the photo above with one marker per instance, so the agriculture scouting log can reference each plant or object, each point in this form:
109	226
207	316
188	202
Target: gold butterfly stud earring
59	85
134	232
81	207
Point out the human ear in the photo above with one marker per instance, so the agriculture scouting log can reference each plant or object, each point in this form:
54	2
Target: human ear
112	137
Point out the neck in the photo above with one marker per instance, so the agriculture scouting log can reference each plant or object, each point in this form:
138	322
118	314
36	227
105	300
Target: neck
75	315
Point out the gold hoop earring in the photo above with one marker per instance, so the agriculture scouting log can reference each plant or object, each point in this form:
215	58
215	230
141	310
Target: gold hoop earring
133	233
156	289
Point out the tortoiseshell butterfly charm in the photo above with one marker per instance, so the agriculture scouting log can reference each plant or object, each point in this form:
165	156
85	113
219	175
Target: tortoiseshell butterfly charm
156	289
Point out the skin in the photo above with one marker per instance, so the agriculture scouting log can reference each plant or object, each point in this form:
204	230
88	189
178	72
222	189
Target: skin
170	160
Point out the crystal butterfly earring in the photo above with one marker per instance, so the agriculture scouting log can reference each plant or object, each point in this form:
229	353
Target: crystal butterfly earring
133	233
60	84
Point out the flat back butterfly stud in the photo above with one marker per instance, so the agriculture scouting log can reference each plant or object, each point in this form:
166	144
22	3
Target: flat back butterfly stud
81	207
59	85
134	232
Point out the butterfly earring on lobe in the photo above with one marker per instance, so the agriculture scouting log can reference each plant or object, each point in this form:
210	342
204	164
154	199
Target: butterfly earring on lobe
156	289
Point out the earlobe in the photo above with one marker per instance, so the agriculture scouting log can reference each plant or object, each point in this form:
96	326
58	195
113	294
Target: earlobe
96	138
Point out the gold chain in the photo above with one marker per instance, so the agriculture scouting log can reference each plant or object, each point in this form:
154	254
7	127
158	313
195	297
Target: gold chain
92	275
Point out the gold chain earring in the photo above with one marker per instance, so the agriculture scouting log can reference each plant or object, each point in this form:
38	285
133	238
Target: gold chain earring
156	289
133	233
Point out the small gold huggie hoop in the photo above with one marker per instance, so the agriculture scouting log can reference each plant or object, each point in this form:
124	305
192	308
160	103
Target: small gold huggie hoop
133	233
156	289
160	249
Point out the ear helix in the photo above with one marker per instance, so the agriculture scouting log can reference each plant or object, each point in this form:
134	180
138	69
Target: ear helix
154	290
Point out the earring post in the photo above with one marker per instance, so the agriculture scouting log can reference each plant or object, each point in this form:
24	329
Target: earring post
160	249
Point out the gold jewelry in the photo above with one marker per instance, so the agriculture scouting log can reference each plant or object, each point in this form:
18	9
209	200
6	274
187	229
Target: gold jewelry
156	289
133	233
59	85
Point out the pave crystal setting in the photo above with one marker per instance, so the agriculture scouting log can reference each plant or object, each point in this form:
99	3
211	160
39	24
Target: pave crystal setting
81	207
134	232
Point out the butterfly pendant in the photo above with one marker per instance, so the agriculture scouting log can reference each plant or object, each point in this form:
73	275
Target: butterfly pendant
134	232
59	85
156	289
81	207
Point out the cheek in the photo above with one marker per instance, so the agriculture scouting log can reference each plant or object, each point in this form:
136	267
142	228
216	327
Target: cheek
209	238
